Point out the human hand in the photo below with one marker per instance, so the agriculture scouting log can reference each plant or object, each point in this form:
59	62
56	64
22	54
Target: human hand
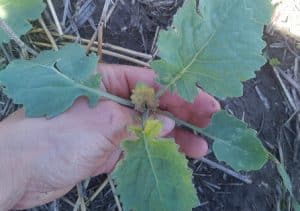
56	154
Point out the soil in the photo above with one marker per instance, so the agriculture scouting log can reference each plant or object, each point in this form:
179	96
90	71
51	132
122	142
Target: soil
133	27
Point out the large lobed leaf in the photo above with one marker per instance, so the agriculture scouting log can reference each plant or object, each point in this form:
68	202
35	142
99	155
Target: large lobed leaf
235	143
17	13
218	48
153	174
49	84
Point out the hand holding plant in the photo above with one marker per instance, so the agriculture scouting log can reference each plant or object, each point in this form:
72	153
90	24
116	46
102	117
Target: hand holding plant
215	45
84	142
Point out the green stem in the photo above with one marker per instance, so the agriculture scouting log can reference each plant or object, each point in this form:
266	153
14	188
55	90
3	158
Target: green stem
273	158
108	96
180	122
145	115
161	91
116	99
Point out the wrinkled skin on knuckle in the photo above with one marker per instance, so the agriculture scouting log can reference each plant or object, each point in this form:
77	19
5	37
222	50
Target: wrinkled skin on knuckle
117	118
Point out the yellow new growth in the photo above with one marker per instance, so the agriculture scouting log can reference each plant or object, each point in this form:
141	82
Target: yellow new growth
143	98
151	129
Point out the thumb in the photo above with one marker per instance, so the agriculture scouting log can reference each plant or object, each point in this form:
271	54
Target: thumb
168	124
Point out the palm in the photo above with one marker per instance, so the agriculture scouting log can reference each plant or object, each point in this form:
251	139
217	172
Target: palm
77	145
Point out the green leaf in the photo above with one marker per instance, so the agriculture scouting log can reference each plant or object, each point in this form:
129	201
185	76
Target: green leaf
17	13
296	205
93	82
49	84
235	143
217	49
287	183
153	174
274	62
285	177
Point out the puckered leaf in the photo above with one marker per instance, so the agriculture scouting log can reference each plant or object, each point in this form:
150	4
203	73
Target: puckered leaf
49	84
153	174
218	48
17	13
235	143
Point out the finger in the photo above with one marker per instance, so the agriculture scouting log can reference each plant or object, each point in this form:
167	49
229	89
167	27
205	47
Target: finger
110	163
113	120
198	113
192	145
167	123
120	80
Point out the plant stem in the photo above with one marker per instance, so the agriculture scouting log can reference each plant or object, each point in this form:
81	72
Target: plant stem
96	193
145	116
230	172
8	30
48	33
113	189
180	122
80	196
114	98
129	104
161	91
54	15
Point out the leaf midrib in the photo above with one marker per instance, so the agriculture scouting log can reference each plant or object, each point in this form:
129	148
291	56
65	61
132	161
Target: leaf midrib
185	69
152	167
76	83
204	131
97	92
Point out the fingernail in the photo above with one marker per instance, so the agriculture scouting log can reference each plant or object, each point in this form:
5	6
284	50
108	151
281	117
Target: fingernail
168	124
102	87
